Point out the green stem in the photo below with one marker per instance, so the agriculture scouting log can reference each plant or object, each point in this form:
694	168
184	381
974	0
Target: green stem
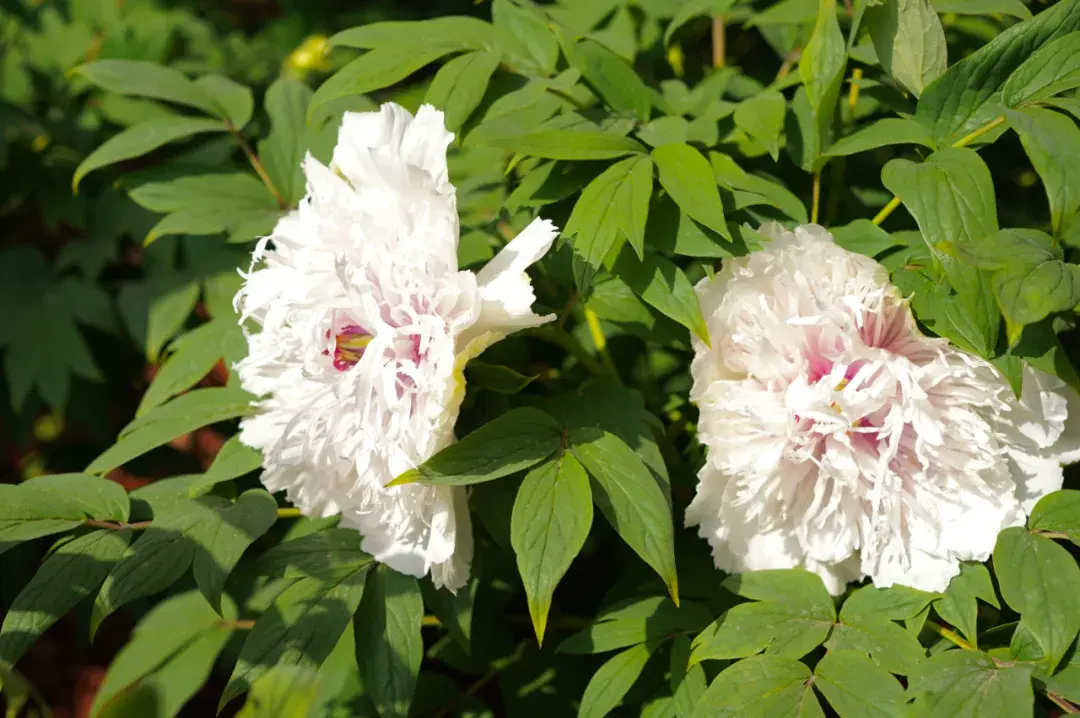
1062	703
258	166
568	98
950	635
289	513
116	525
718	50
886	211
968	139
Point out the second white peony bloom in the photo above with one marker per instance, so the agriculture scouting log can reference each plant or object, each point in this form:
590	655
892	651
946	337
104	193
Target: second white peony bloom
842	440
367	324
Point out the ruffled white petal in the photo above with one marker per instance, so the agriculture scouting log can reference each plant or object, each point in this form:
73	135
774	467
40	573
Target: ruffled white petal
506	291
1041	433
842	440
366	325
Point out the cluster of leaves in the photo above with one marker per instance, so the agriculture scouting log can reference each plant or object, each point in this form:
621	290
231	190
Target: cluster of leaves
657	135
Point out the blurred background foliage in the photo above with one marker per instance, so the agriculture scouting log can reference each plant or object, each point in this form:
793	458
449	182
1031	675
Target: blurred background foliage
88	308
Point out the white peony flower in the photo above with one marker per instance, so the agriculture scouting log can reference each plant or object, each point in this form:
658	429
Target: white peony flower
842	440
366	328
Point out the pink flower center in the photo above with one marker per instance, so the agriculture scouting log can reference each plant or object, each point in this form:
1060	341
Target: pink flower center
349	346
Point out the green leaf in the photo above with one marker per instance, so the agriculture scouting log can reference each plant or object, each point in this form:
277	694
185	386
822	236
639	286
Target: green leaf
1041	348
895	603
889	646
665	287
495	377
168	659
52	504
882	133
551	519
967	684
376	69
532	39
1051	70
221	536
1008	248
301	627
317	555
205	204
688	178
148	79
1016	8
68	575
822	71
142	138
612	209
762	118
728	173
865	237
672	230
613	680
232	101
1052	143
641	620
761	687
630	499
550	182
100	498
518	439
694	9
688	683
233	460
44	344
786	12
1040	581
909	41
282	151
460	33
569	145
459	86
614	79
197	408
960	101
792	614
389	647
856	687
167	312
454	610
1029	279
951	196
193	355
604	406
792	587
1058	512
209	534
284	692
664	131
959	604
1029	294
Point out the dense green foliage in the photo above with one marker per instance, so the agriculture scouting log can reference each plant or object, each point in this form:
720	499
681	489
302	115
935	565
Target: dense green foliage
145	149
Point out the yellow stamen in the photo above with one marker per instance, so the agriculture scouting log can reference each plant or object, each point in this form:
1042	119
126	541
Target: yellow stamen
353	342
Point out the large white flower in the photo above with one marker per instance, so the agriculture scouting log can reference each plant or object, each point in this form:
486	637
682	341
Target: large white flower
367	324
842	440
